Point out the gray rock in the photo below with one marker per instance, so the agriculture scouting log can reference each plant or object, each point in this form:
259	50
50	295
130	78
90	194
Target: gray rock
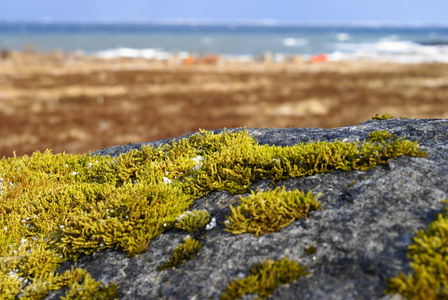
361	234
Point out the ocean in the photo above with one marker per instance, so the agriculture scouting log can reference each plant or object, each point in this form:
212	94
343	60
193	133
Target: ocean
242	41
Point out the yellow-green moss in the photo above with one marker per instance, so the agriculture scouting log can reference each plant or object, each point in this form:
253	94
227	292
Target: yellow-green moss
183	251
385	117
192	221
429	256
267	212
55	207
264	278
79	284
237	166
380	136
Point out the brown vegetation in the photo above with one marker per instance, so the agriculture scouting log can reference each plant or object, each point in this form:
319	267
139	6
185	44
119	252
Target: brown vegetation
76	104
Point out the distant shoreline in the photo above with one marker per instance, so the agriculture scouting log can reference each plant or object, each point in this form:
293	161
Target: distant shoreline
241	41
182	56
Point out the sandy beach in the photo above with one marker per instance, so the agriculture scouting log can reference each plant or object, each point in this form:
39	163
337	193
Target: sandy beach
76	104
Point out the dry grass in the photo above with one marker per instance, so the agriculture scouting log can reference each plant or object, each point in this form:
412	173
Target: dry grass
79	105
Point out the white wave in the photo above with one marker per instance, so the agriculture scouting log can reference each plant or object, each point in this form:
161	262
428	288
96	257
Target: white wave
392	37
396	46
133	53
291	42
420	55
388	46
342	36
391	48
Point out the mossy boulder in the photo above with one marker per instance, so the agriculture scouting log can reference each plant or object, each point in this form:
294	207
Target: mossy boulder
373	191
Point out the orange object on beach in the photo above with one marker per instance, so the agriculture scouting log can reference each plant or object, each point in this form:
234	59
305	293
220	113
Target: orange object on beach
189	60
208	59
201	60
319	58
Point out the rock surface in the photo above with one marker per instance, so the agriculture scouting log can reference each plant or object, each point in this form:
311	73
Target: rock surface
361	234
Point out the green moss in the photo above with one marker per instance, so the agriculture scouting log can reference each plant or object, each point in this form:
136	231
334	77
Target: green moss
267	212
380	136
90	289
429	256
264	278
183	251
237	166
10	285
385	117
79	284
192	221
311	250
55	207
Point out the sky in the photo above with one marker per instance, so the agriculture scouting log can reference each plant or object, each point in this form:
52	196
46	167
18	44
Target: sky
300	11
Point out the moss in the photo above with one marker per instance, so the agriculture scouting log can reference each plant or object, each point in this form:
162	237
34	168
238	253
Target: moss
55	207
311	250
385	117
380	136
90	289
352	184
429	256
235	167
183	252
10	285
267	212
264	278
79	284
192	221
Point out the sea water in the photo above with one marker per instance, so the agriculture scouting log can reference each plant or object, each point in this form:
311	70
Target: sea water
244	41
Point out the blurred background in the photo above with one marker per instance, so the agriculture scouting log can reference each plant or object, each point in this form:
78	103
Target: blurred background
81	76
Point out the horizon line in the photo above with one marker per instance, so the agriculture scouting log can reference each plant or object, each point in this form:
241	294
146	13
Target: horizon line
238	22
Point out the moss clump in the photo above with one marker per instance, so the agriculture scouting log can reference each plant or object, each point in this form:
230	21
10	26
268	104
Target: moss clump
429	253
385	117
55	207
79	284
235	167
264	278
183	251
267	212
192	221
380	136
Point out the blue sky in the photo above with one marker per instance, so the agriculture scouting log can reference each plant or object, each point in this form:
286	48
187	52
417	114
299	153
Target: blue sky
400	11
